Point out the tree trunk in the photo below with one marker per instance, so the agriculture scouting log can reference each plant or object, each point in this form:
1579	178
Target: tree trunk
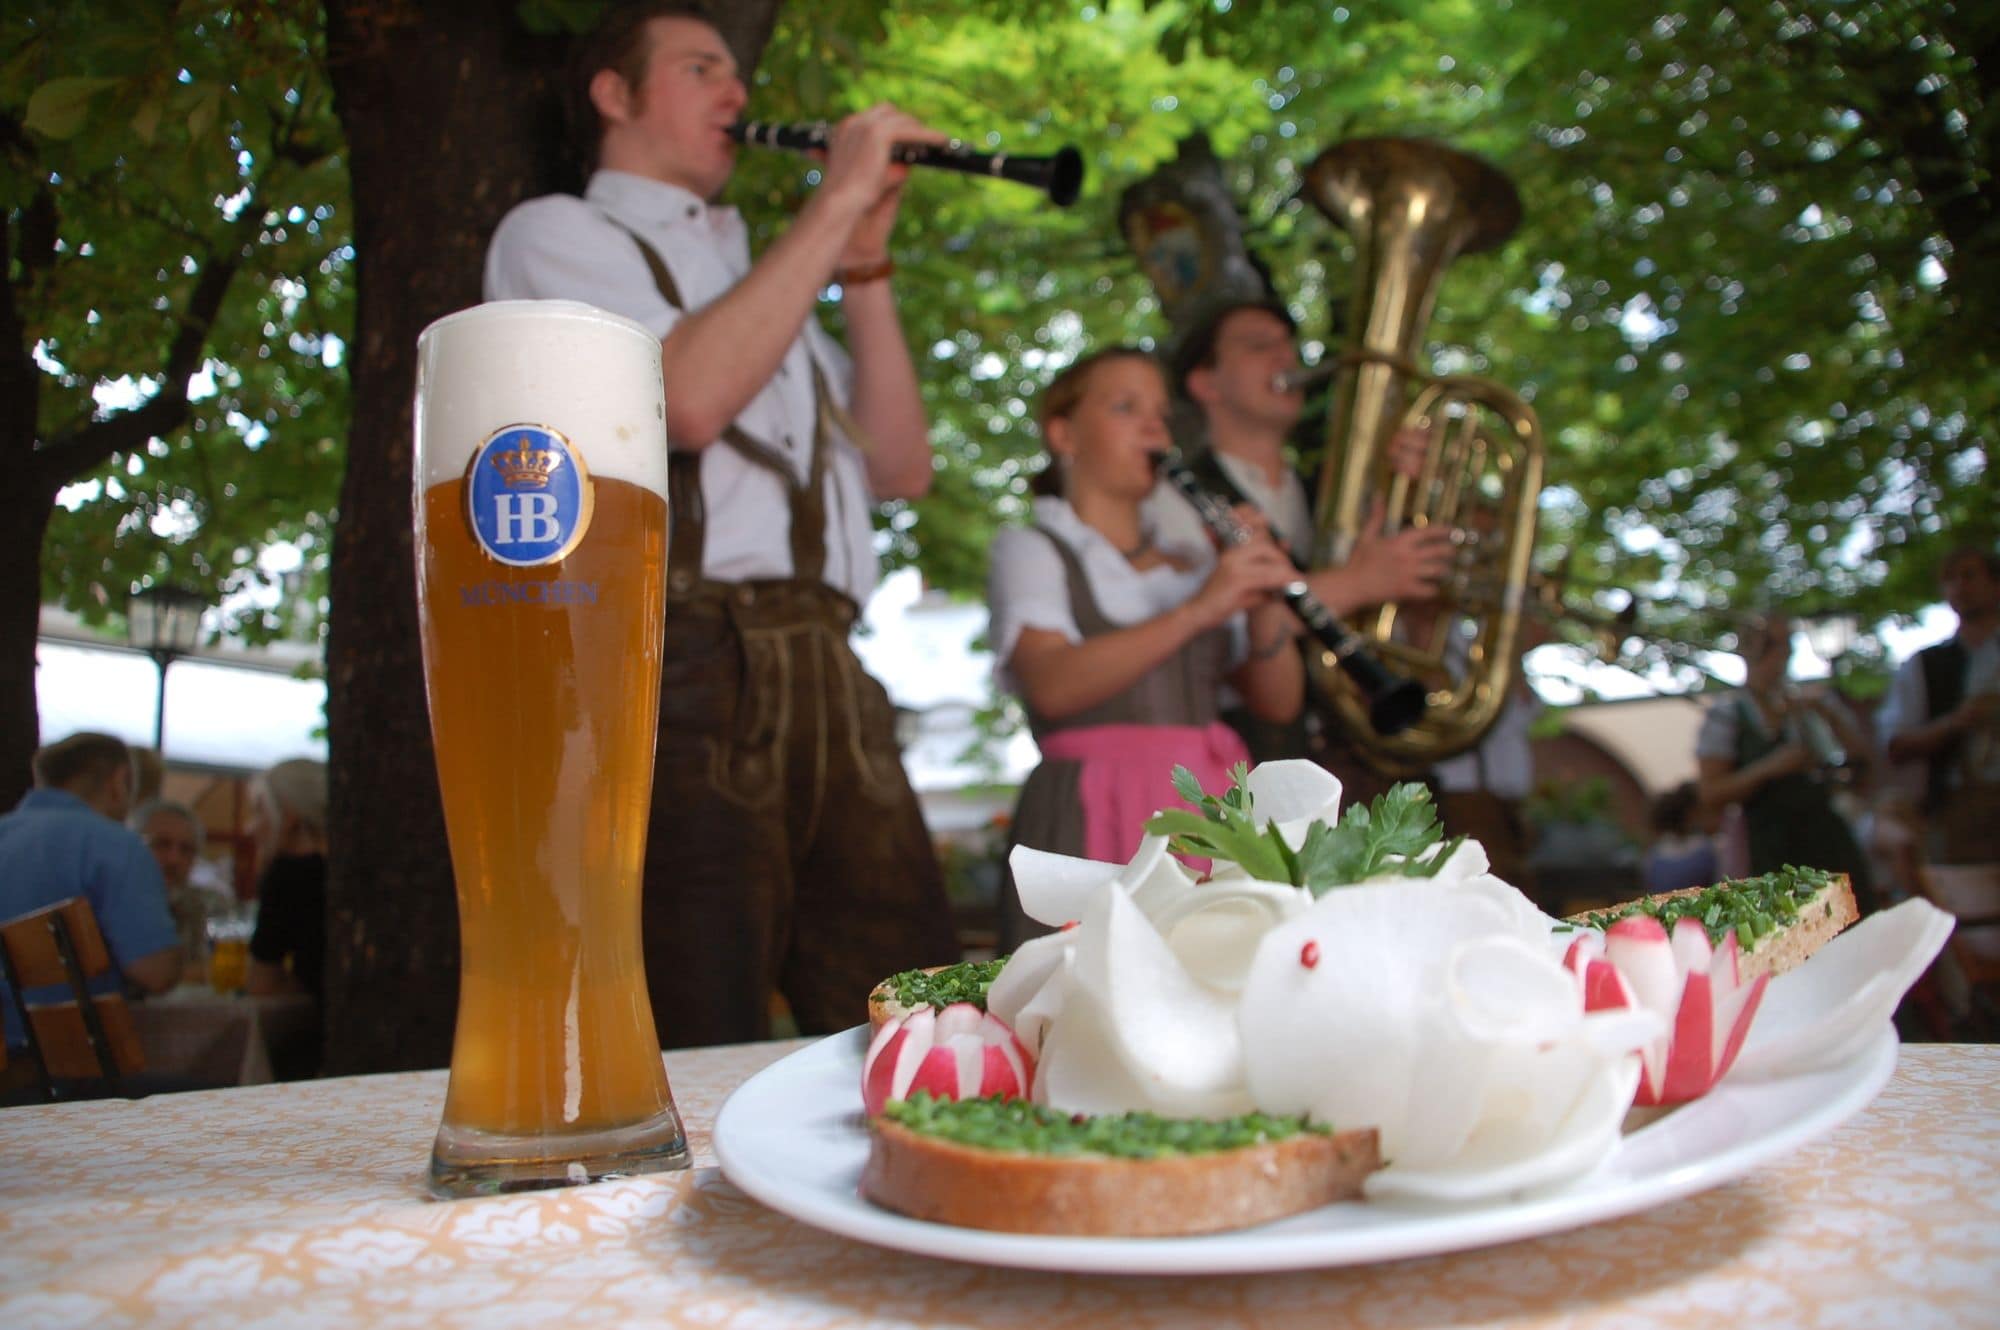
24	522
449	117
452	115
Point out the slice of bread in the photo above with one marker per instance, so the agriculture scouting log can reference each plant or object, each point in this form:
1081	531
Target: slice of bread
1014	1191
969	986
1824	905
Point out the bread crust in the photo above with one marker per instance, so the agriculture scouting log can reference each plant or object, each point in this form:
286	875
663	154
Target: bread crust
1819	920
1012	1191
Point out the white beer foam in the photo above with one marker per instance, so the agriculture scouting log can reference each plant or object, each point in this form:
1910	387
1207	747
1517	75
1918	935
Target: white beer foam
588	374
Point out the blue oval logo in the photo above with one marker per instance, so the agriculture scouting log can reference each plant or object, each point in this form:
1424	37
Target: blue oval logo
527	496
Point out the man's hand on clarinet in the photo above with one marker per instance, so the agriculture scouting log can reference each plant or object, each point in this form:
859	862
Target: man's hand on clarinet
862	176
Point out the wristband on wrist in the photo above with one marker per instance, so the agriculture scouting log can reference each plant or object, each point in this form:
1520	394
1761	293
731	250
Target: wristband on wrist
862	273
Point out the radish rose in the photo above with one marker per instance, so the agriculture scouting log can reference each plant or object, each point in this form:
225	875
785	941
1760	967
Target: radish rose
958	1053
1692	985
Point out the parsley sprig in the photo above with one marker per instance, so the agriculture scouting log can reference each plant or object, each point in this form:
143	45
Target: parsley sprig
1388	837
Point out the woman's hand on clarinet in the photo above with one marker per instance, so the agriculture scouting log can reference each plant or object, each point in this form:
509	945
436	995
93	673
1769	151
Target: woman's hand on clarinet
1247	574
862	174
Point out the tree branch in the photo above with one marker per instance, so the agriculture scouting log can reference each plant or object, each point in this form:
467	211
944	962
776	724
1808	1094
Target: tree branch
69	454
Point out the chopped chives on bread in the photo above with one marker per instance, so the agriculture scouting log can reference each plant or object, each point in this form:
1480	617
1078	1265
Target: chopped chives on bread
1780	918
1010	1166
937	986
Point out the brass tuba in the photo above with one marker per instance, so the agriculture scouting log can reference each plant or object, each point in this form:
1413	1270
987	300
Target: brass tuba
1412	206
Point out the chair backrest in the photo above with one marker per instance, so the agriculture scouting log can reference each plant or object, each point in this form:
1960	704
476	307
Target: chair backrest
83	1035
1970	891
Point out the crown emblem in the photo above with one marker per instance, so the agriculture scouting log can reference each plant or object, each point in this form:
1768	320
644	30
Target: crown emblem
522	467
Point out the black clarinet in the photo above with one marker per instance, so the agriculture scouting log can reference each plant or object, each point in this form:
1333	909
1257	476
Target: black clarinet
1394	701
1060	174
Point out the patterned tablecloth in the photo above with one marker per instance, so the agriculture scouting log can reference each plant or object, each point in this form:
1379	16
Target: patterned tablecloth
302	1206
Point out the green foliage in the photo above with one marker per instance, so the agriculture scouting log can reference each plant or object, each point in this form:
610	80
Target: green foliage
1743	321
1582	801
161	143
1751	296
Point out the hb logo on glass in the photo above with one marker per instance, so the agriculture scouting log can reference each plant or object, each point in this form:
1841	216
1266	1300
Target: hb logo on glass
527	496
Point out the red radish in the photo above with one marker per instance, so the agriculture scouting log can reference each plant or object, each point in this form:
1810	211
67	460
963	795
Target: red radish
1693	986
960	1052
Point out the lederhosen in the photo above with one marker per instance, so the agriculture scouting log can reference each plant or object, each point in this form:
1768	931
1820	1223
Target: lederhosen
1180	690
786	850
1791	820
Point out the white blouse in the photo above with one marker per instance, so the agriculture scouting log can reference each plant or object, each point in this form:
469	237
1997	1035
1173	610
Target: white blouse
1179	530
1027	585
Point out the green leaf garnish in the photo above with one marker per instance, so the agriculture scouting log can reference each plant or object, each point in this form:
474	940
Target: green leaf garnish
1389	837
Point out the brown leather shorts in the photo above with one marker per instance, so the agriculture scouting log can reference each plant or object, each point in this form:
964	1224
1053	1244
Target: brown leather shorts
786	849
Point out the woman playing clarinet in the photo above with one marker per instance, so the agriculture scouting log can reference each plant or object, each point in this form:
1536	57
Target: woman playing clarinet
1117	650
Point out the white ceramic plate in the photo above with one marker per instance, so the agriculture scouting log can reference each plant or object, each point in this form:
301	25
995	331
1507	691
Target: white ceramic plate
793	1137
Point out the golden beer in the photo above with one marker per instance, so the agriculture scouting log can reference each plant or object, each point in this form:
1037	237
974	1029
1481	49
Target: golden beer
542	526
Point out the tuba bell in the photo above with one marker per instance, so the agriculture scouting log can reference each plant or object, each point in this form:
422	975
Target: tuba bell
1411	207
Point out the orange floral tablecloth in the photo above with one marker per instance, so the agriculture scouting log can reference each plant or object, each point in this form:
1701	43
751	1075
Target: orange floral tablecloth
302	1205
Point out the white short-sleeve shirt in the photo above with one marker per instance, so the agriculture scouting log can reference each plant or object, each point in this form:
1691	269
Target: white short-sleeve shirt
563	247
1027	585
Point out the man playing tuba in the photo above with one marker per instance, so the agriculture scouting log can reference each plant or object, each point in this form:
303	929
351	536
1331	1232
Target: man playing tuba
1228	369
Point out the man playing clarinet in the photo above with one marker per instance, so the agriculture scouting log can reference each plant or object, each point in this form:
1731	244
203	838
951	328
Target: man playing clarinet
786	850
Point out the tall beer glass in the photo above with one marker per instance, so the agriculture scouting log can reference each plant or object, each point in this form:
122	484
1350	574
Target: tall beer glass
541	530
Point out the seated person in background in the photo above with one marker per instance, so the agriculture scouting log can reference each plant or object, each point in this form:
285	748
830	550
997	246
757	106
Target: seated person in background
65	839
1683	852
1118	651
1895	844
1758	748
174	835
288	950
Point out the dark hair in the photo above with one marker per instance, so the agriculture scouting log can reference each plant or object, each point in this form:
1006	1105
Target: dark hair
1985	554
84	759
621	44
1060	398
1196	350
1673	810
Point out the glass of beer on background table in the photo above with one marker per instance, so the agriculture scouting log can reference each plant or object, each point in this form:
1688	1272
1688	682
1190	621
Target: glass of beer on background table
541	533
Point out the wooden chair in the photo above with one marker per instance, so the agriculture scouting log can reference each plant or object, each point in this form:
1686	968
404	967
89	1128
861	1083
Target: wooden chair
1971	893
81	1037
